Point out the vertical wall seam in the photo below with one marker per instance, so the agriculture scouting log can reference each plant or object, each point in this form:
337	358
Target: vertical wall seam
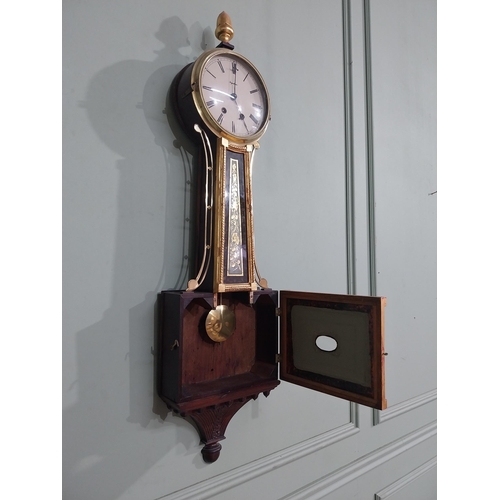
370	174
349	148
369	148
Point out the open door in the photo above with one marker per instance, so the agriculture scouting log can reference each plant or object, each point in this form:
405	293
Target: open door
334	344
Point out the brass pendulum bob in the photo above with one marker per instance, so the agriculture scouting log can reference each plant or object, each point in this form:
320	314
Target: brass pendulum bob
220	323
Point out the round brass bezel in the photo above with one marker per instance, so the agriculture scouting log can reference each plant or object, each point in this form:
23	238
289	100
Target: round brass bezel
202	108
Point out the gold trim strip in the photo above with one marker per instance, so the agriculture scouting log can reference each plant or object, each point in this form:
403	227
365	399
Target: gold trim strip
193	284
249	219
219	214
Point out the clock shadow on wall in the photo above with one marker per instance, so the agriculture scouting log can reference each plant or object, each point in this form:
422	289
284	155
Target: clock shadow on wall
124	104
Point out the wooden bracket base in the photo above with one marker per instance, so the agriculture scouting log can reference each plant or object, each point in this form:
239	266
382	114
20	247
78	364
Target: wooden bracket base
211	423
207	382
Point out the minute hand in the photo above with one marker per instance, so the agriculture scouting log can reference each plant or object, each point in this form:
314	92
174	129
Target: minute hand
234	70
218	91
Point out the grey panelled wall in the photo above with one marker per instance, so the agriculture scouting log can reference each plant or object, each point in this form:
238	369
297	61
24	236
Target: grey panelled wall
344	200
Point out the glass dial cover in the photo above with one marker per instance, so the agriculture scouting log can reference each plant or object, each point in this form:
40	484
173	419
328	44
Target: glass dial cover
232	95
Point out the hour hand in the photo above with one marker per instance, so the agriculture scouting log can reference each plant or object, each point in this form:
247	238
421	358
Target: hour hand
242	118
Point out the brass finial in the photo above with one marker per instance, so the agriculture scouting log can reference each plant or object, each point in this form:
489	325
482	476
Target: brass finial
224	30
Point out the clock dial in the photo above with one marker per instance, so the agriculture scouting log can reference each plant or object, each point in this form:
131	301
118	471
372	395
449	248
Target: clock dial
234	94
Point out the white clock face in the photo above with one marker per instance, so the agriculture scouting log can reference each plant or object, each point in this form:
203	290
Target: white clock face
234	95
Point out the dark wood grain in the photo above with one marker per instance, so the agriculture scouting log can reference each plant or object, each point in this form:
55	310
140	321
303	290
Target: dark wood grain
203	359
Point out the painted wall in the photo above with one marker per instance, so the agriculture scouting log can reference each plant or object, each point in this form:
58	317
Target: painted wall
343	200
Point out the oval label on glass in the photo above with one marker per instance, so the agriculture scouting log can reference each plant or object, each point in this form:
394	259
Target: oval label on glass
326	343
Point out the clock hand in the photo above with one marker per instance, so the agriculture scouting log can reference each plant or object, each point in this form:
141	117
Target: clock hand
233	96
242	118
234	69
219	91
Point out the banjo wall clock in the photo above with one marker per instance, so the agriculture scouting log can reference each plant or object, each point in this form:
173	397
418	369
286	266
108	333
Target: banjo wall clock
219	337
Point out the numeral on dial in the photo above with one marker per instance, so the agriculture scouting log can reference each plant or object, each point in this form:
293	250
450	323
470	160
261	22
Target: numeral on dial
254	119
210	104
221	117
233	128
220	66
253	91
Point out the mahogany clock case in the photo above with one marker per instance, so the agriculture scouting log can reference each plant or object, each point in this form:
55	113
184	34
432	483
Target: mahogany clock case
208	381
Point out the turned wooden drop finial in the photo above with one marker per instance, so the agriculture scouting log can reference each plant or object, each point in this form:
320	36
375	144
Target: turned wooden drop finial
224	30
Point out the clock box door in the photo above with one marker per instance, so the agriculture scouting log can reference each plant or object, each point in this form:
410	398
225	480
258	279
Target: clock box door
334	344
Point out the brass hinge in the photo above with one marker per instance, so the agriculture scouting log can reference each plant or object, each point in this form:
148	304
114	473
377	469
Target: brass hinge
278	311
277	358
